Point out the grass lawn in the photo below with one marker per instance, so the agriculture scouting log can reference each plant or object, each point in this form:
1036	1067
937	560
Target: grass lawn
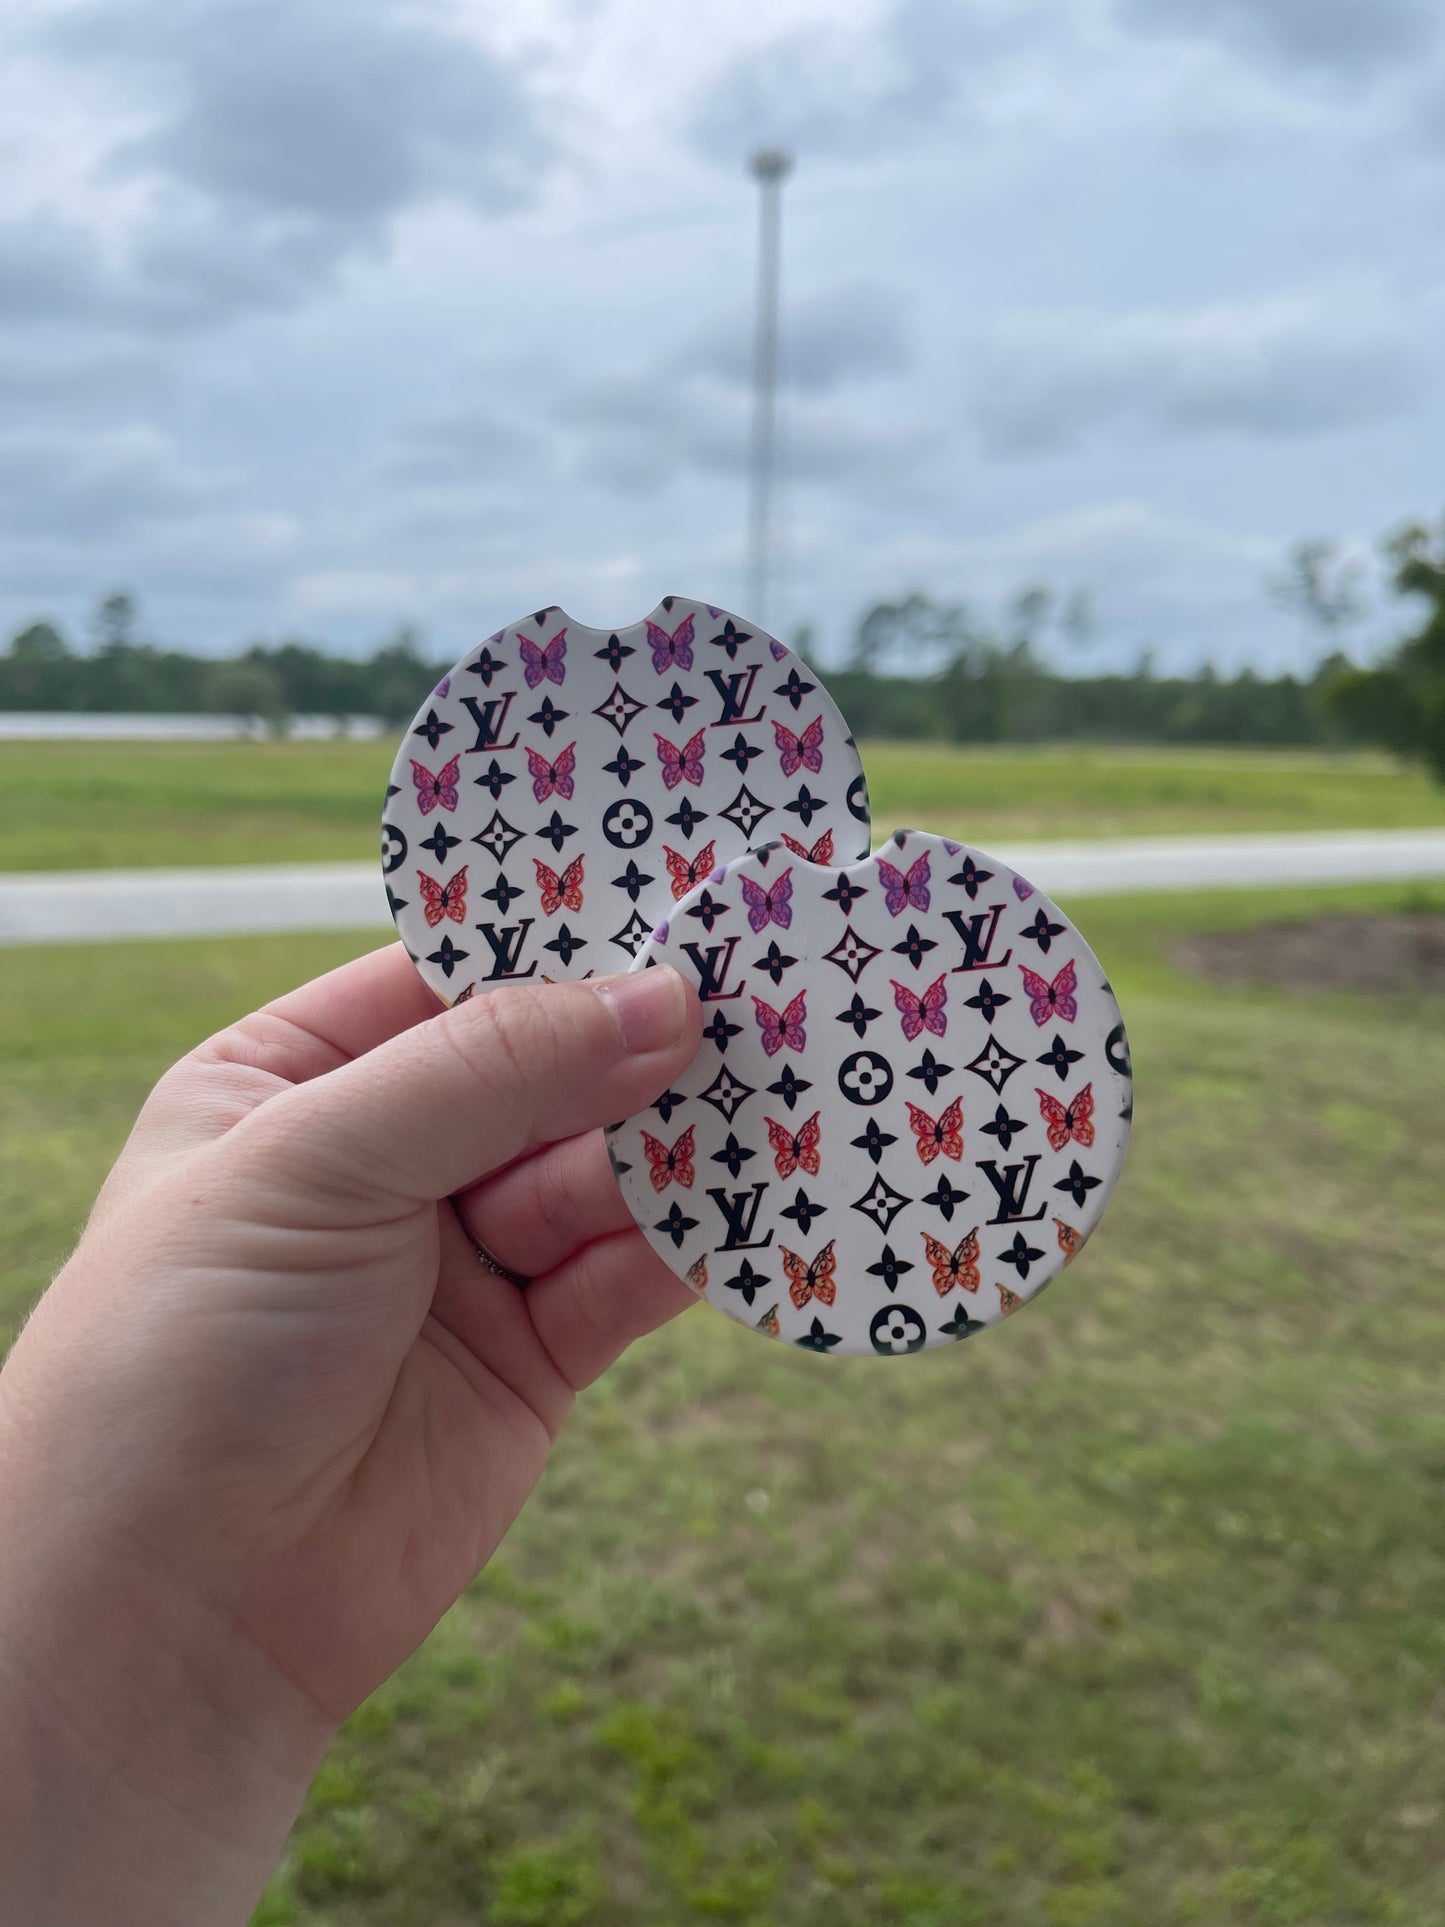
118	804
1126	1614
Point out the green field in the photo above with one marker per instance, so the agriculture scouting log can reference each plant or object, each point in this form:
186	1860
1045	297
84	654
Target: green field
1127	1614
115	805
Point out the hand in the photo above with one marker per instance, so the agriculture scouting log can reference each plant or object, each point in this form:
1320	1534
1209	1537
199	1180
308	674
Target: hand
276	1413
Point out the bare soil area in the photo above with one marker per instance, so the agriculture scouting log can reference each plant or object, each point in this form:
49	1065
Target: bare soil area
1402	954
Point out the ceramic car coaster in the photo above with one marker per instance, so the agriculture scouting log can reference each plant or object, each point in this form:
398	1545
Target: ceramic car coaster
564	786
909	1108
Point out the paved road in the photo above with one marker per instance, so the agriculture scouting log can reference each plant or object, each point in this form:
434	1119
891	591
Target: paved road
79	906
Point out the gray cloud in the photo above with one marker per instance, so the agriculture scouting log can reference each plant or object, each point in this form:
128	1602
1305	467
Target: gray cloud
1350	37
1275	369
336	116
277	137
97	485
831	339
853	94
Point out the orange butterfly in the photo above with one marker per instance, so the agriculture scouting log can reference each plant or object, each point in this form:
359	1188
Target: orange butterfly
950	1268
938	1137
821	852
769	1322
465	996
1071	1242
1009	1301
816	1280
696	1275
686	873
563	891
444	899
794	1150
669	1166
1073	1122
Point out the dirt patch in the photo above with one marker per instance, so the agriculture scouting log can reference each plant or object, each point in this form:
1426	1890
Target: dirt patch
1401	954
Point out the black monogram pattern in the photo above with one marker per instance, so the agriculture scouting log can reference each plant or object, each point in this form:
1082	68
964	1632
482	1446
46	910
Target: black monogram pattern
910	1107
564	787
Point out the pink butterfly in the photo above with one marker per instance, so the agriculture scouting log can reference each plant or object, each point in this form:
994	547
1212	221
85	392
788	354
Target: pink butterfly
921	1013
800	752
670	651
905	892
548	663
548	776
778	650
1023	889
1054	999
441	788
679	765
773	905
787	1029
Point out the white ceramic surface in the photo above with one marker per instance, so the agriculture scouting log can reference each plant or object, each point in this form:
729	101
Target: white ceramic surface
564	786
910	1106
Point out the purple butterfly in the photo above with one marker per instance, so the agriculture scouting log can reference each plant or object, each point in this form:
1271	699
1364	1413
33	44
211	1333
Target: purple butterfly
1049	1000
782	1027
1023	890
670	651
680	765
548	663
778	649
774	905
905	892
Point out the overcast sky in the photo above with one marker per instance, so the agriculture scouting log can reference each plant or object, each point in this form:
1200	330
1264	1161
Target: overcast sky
317	316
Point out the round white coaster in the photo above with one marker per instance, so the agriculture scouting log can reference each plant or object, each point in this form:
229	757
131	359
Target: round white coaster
563	787
910	1106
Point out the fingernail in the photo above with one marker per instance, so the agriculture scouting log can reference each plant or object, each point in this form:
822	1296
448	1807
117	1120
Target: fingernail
650	1007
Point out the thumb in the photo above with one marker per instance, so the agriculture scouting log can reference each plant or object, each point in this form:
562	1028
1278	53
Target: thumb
443	1104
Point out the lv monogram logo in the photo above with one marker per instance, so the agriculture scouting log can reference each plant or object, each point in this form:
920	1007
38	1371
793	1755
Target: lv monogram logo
740	1214
712	966
976	934
1012	1186
490	718
506	946
736	689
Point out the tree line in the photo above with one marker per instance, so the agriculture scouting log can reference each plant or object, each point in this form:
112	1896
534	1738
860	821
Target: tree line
918	668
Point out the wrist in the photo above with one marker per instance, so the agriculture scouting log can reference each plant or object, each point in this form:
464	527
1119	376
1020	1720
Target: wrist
151	1762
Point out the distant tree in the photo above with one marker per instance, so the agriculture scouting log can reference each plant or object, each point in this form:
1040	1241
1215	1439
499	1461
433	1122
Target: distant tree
1322	584
916	632
115	618
1400	703
42	642
252	690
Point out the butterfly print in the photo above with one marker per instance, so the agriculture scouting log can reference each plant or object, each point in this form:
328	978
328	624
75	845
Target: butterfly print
1049	1000
548	776
1008	1301
696	1275
444	899
821	852
769	1323
680	765
1071	1242
816	1280
957	1267
1074	1120
787	1029
673	1166
549	663
465	996
670	651
795	1150
938	1137
560	892
800	752
902	892
686	872
441	788
773	905
922	1013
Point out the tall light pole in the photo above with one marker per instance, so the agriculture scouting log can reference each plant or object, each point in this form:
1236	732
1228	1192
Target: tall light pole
770	167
